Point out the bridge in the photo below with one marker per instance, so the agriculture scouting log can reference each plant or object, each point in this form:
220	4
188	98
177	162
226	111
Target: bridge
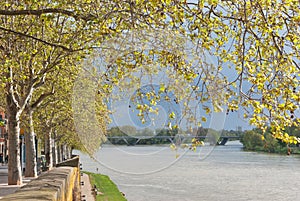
177	139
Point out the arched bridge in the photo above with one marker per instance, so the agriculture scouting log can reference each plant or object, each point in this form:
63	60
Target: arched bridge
177	139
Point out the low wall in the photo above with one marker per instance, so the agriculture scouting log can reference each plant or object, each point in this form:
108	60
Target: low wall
59	184
72	162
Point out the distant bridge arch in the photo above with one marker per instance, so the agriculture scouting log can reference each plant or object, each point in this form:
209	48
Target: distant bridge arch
134	140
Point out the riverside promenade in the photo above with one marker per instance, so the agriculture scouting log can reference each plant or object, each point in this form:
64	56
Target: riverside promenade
5	189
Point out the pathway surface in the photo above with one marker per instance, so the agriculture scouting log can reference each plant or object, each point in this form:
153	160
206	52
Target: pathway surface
86	189
6	189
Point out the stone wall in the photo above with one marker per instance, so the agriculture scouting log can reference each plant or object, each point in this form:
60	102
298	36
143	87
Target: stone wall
73	162
59	184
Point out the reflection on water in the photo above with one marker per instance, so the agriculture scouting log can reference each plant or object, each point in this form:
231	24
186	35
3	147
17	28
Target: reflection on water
228	173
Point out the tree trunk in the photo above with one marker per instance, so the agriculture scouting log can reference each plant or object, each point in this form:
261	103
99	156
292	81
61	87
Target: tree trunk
48	149
54	154
62	154
14	163
71	152
31	165
65	154
58	154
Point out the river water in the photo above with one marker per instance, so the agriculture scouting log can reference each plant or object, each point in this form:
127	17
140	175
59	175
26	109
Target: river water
153	173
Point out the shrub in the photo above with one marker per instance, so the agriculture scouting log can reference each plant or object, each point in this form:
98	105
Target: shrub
252	140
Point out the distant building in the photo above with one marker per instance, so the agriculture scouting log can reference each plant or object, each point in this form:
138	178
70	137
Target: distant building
239	129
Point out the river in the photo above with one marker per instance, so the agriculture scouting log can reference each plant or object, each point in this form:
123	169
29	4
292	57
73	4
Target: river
152	173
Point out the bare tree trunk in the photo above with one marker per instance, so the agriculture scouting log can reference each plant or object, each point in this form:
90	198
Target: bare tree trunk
58	154
54	154
65	155
14	163
31	165
70	152
62	153
48	149
67	152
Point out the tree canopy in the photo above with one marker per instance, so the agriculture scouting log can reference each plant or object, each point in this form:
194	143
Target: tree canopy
254	46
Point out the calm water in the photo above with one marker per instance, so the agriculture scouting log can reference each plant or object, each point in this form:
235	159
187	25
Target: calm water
152	173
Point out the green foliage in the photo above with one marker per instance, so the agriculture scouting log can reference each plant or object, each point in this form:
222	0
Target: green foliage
273	145
258	41
106	186
2	122
252	140
212	136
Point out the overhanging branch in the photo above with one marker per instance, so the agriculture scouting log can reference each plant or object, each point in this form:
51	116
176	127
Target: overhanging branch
86	17
37	103
35	38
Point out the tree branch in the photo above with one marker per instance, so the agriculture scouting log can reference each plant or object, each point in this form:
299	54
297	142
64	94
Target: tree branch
12	91
87	17
40	82
295	63
38	39
40	100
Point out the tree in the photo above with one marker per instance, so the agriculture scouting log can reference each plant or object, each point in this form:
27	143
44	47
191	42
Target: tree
29	58
39	38
252	140
258	41
129	130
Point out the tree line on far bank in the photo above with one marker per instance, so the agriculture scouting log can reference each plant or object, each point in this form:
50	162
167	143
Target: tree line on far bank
256	140
252	140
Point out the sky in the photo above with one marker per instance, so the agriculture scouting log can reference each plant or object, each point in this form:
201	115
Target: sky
124	113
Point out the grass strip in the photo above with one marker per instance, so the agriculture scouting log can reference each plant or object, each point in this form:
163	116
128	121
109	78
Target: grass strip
109	190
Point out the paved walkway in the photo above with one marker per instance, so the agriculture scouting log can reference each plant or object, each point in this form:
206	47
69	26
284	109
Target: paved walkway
86	189
5	189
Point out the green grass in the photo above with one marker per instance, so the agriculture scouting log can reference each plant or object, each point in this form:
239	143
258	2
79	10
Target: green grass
106	186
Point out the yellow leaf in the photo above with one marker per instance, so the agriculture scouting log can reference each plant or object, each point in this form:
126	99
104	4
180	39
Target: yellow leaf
172	115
